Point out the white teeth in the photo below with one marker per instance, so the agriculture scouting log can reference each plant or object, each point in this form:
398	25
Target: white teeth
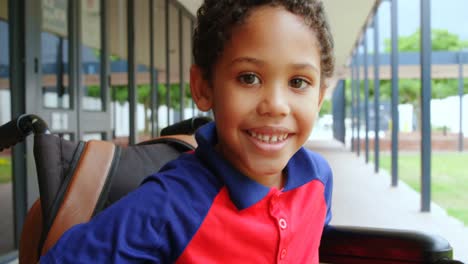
269	138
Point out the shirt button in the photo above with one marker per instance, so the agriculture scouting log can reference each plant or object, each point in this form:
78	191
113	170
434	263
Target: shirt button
282	223
283	253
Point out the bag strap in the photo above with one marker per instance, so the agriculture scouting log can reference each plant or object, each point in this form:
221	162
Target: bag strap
182	143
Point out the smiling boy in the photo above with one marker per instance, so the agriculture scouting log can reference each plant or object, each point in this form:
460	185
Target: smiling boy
250	193
265	92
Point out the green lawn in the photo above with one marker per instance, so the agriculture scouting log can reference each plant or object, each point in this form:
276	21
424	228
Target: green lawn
449	178
5	169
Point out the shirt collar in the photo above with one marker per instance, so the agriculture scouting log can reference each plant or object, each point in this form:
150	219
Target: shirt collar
243	191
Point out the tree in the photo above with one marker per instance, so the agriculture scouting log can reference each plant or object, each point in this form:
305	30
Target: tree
442	40
409	89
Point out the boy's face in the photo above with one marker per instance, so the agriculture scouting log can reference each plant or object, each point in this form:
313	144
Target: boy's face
265	92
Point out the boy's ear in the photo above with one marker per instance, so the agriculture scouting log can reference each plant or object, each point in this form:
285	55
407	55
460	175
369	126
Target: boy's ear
201	90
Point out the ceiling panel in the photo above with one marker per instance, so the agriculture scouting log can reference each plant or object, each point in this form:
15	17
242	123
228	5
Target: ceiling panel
347	19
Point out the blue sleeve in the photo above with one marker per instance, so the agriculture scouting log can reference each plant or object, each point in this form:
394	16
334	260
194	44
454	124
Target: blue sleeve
325	175
126	232
328	193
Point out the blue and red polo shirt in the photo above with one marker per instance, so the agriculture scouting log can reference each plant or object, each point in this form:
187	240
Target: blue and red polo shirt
200	209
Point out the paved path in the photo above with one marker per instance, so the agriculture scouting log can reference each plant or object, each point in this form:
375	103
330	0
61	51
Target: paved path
363	198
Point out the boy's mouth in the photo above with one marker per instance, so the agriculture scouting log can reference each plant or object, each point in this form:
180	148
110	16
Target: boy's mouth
269	138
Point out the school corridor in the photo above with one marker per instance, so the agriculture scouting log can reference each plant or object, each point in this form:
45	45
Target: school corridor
364	198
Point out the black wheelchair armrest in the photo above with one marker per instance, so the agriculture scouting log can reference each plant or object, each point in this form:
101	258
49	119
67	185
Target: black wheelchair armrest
341	244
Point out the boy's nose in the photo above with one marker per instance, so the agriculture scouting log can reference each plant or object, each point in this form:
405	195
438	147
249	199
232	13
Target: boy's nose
274	102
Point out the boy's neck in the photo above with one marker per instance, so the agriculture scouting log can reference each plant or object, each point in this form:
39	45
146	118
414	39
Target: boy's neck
270	181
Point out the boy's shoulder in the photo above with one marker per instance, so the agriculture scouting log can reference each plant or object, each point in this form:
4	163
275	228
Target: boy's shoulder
179	185
320	164
168	206
315	156
186	174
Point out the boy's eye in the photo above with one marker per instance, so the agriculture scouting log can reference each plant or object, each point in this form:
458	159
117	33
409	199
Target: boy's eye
249	78
298	83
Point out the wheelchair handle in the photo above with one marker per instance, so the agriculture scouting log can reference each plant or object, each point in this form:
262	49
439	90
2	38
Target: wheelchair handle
19	128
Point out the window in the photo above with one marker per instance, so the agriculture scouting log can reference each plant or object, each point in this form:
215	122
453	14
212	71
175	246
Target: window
91	55
54	52
6	205
117	24
142	62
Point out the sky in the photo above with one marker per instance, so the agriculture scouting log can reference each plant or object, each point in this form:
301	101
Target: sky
445	14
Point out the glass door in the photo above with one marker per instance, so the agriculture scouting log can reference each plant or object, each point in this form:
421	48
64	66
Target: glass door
93	83
7	240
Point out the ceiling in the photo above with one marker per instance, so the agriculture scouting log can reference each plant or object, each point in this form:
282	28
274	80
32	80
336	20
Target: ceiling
347	18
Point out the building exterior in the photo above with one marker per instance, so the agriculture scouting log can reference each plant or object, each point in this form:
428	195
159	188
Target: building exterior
93	69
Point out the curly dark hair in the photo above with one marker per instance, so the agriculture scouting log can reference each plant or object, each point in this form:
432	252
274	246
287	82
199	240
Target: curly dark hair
216	19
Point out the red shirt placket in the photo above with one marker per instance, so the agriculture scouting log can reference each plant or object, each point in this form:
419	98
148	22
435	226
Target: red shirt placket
281	217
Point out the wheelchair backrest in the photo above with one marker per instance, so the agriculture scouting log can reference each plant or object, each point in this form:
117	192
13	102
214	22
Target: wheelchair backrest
79	179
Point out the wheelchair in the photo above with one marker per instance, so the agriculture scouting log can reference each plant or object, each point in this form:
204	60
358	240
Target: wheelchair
79	179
